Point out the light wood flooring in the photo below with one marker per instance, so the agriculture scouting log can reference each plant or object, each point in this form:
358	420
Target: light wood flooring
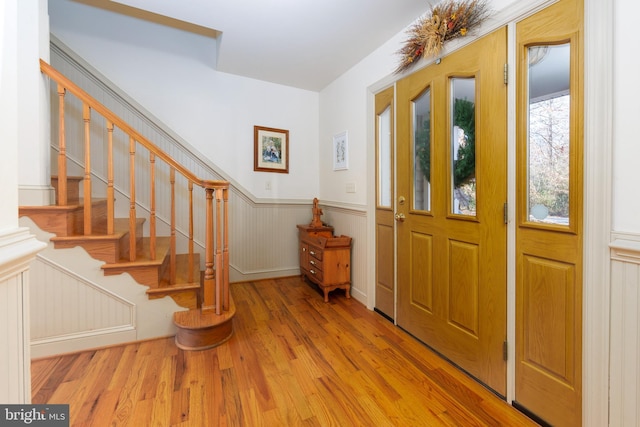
293	360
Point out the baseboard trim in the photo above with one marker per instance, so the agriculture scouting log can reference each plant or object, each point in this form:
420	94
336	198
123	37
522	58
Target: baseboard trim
36	195
71	344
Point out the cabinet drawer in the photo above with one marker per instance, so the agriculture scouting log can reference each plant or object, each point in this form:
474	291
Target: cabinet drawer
316	274
314	263
315	253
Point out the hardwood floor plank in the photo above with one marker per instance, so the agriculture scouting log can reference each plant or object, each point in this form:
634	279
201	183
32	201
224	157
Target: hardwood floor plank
164	392
128	399
293	360
48	375
180	406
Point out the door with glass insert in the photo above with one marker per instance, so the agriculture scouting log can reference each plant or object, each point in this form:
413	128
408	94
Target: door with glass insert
549	215
452	163
385	227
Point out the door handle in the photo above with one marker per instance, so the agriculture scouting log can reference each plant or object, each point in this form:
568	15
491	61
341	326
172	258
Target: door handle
399	217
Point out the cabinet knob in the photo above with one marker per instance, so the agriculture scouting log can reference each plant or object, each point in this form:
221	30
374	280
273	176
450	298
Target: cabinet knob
304	249
312	253
312	262
312	271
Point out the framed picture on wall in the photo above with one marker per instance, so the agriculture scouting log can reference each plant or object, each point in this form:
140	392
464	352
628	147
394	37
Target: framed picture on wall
340	151
271	149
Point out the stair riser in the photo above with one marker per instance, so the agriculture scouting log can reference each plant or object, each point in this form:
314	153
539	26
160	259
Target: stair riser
73	188
68	222
107	251
145	275
124	242
184	298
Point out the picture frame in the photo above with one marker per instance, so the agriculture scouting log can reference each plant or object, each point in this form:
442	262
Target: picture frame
340	151
271	149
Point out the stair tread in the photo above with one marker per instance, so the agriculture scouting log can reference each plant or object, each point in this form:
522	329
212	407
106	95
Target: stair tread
59	208
143	255
70	177
177	287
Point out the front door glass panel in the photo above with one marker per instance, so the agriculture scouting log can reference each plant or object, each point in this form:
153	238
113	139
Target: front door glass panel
421	107
548	141
463	146
384	158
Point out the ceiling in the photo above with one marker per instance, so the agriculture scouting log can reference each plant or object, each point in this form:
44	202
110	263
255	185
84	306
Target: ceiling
301	43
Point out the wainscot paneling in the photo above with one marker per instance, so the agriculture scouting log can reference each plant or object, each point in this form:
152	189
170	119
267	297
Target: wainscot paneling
74	306
71	308
625	326
17	249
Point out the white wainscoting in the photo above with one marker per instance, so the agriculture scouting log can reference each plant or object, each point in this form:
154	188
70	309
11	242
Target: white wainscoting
68	308
17	249
74	306
624	375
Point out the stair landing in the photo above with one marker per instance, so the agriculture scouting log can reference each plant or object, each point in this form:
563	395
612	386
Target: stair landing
198	330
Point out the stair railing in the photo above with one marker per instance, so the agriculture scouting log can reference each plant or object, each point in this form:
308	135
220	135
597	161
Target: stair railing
215	294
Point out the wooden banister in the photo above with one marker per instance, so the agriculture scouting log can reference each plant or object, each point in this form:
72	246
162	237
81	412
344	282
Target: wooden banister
118	122
216	276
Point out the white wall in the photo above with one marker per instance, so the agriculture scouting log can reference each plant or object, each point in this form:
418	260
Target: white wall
344	106
17	246
33	99
215	112
8	114
626	154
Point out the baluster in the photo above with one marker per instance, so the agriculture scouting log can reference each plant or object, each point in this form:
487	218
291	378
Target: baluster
110	193
132	202
152	214
86	117
172	260
190	278
62	153
207	298
219	272
225	255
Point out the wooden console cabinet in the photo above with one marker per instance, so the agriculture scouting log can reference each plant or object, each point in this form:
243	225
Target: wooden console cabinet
325	259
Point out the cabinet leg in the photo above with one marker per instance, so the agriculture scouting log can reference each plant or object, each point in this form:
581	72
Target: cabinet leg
326	295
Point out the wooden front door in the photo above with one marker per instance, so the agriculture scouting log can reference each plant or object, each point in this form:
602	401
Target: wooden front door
452	190
549	214
385	234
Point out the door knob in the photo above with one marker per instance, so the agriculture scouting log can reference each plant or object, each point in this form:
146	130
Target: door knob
399	217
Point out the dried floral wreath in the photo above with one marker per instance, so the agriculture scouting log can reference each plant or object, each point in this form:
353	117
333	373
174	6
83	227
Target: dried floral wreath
448	20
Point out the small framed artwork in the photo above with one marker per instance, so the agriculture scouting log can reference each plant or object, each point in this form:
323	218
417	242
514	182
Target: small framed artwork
271	150
340	151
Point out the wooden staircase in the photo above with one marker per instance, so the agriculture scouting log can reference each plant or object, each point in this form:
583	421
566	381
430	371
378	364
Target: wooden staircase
79	219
